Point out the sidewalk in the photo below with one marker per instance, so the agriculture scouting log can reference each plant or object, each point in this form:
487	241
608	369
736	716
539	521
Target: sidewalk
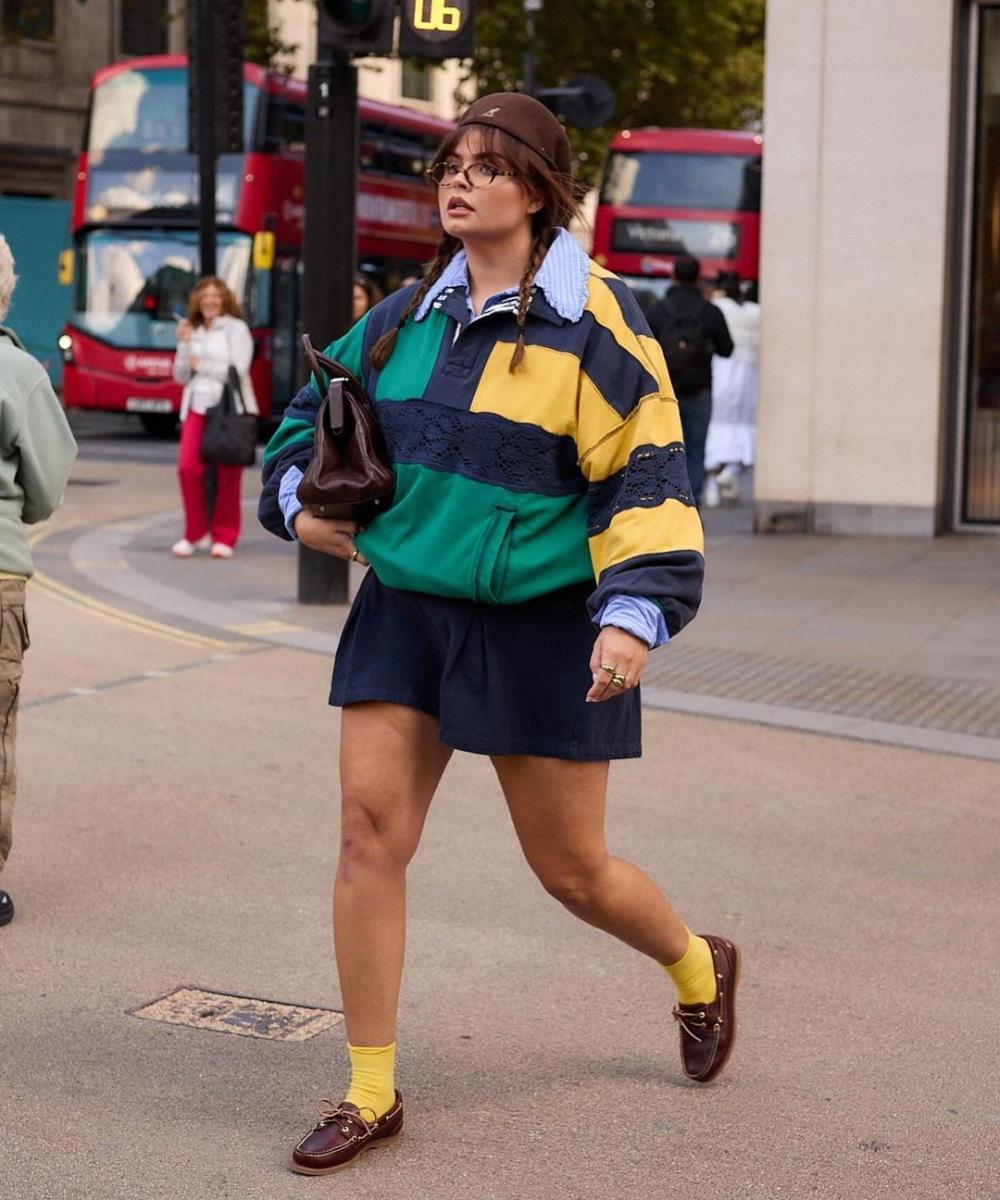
177	829
890	640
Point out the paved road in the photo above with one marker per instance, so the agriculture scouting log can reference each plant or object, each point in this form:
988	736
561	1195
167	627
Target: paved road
176	828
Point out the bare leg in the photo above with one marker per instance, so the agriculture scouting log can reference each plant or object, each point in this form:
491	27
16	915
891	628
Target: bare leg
558	812
391	762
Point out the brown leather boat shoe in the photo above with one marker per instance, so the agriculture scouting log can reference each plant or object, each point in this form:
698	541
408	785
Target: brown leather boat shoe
342	1135
708	1031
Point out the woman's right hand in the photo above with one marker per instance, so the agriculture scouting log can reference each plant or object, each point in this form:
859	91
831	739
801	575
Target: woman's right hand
329	536
184	330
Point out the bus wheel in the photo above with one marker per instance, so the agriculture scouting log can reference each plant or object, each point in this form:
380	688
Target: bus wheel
159	425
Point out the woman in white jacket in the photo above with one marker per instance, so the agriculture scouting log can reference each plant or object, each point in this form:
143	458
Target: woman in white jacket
732	432
212	338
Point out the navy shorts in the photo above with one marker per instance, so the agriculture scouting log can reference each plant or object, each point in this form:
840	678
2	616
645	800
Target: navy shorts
500	678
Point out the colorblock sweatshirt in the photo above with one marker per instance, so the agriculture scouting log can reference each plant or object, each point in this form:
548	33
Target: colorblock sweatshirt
511	485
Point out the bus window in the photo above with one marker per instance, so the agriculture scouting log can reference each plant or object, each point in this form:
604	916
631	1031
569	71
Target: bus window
729	182
286	127
147	110
133	285
428	147
285	344
405	157
372	146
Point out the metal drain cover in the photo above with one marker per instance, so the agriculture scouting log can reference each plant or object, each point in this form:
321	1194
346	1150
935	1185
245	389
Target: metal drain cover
244	1015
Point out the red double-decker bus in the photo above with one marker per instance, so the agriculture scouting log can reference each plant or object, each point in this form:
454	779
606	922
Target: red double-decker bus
668	192
134	256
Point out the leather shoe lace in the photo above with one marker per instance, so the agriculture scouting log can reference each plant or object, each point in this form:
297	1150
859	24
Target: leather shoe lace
342	1134
708	1031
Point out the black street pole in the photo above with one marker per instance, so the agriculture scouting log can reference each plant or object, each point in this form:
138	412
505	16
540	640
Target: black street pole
201	65
528	68
328	252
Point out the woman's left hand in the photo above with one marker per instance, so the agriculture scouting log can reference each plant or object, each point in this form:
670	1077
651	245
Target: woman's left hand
617	663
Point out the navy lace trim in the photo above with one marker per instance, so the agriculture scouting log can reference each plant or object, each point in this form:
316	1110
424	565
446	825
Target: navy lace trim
481	446
653	474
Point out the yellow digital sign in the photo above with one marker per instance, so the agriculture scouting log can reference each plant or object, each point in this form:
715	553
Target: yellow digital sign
436	28
437	15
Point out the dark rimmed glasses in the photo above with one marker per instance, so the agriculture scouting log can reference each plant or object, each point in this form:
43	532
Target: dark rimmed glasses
478	175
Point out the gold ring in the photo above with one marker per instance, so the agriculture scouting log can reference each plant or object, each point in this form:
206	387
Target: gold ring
605	667
618	680
354	556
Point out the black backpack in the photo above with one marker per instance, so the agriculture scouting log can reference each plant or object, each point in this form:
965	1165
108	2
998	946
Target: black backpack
686	345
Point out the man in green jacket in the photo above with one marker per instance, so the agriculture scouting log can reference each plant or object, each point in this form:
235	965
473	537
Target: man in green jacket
36	452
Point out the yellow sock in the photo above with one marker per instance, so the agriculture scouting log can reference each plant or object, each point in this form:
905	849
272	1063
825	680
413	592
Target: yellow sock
373	1083
694	973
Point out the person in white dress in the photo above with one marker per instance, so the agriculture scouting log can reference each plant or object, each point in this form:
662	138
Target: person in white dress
732	433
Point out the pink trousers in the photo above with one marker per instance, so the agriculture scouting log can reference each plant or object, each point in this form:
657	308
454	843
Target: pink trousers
225	524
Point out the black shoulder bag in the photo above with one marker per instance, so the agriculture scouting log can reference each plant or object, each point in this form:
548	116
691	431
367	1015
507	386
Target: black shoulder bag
230	434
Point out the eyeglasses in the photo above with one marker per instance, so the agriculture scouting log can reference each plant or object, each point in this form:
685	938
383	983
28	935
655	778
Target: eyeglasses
478	175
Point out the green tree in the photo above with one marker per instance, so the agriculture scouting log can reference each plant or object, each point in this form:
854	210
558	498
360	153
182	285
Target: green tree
688	63
263	38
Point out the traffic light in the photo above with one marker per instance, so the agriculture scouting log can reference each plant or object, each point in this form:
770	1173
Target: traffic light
215	76
356	27
436	28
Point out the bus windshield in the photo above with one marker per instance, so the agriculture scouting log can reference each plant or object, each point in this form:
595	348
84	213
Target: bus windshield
657	179
133	288
146	109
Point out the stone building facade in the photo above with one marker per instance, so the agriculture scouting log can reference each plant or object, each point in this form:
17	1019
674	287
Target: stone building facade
880	272
49	52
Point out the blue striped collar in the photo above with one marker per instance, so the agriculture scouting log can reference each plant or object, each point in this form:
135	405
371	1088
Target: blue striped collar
562	278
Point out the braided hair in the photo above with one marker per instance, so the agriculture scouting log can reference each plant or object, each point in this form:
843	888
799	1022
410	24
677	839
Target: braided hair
560	196
447	248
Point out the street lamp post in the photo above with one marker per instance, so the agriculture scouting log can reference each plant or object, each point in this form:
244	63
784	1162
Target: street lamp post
530	8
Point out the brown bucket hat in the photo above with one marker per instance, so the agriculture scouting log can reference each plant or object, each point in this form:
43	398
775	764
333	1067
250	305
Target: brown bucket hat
527	120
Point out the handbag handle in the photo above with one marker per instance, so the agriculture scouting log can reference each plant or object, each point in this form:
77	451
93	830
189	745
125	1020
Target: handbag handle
236	390
339	377
321	363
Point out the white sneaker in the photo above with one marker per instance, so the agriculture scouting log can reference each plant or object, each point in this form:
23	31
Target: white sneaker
710	497
729	482
221	550
184	548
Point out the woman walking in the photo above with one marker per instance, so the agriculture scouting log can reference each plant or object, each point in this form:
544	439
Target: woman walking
210	340
732	431
538	449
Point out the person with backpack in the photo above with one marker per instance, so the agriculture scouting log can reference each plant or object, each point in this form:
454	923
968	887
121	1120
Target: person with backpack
691	329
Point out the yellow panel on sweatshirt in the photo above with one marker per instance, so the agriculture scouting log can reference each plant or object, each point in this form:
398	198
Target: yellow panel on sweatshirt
603	303
542	391
667	527
597	417
654	352
655	422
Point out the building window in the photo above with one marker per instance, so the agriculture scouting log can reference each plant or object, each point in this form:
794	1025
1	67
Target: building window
144	26
416	83
28	19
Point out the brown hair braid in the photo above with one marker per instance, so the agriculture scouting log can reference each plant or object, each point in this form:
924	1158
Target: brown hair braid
447	248
538	250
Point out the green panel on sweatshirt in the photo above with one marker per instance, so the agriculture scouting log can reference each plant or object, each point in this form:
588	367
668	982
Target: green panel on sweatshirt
292	429
451	536
405	375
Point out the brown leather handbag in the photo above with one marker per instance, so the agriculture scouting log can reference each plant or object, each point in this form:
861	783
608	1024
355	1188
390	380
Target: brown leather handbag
350	475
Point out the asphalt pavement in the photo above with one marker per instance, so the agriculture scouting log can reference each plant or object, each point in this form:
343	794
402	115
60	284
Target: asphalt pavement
820	782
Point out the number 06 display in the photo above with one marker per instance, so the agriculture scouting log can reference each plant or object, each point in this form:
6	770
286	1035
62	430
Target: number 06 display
436	14
436	28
